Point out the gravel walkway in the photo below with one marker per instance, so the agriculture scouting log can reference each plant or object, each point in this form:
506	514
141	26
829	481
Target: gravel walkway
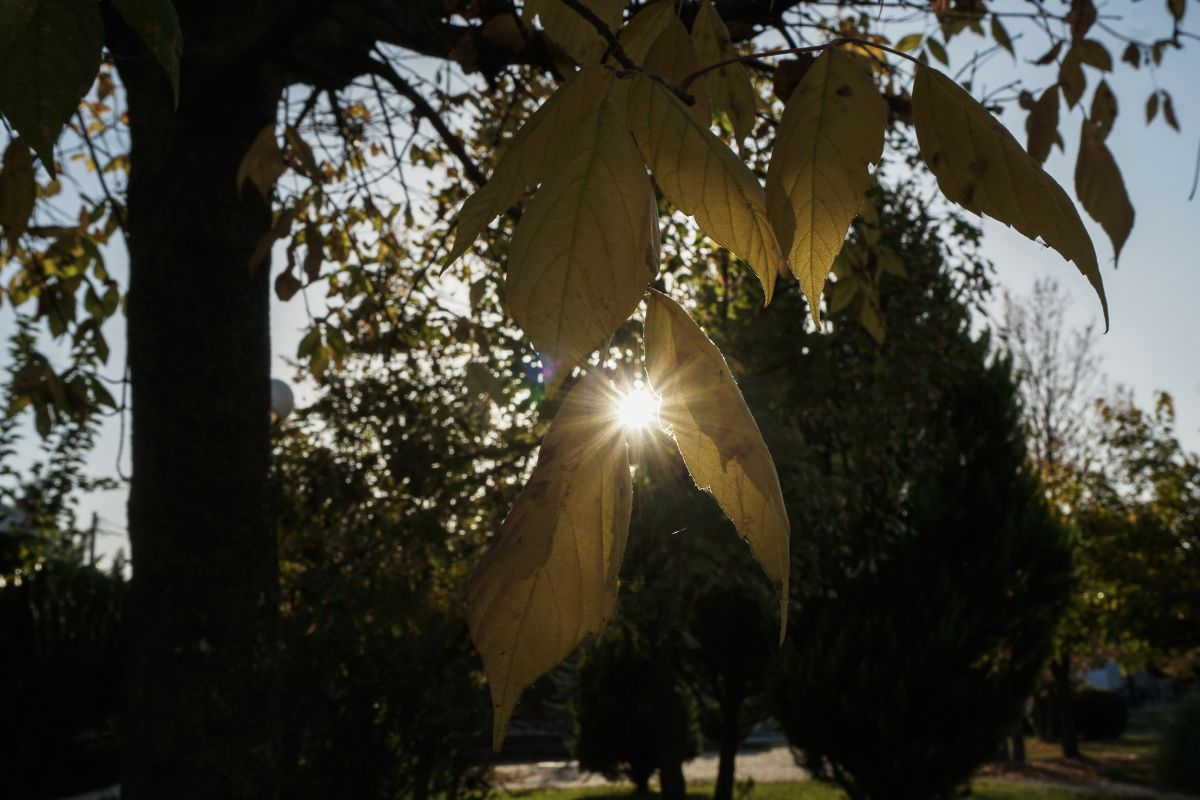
768	765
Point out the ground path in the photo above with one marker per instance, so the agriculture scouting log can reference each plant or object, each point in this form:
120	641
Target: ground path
773	764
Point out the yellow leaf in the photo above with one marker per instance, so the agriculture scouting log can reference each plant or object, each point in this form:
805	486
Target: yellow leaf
704	178
570	31
263	163
585	248
729	85
643	30
524	158
18	189
1041	126
717	436
1100	188
550	580
830	132
979	165
673	56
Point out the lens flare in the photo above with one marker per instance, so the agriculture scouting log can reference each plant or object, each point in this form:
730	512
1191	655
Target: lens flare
637	409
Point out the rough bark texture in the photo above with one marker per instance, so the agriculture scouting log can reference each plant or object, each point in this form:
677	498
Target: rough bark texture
669	723
202	669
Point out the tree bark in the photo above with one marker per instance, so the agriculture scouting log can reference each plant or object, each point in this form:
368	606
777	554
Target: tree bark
1017	752
202	686
669	727
1064	698
727	761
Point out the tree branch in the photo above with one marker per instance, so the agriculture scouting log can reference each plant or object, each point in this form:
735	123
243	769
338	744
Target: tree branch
602	28
385	71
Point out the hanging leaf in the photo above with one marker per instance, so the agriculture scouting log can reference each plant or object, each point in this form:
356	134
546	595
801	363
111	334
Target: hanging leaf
49	55
673	56
1094	54
1041	126
1000	34
569	30
704	178
156	24
729	86
302	153
550	579
1169	112
979	165
717	436
522	164
1071	77
830	132
585	248
643	30
263	163
18	190
1100	188
1104	110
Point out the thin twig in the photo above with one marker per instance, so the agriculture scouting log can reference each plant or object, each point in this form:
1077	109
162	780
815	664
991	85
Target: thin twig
117	208
788	51
388	73
602	28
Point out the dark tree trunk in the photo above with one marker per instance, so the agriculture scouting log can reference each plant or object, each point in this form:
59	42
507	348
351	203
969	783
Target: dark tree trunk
1017	751
202	664
669	723
730	737
1064	702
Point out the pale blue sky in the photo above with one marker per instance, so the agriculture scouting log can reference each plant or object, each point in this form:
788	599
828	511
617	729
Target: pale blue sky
1153	342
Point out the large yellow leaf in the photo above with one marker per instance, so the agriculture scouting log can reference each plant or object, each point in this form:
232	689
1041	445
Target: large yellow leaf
673	56
550	580
570	31
729	85
830	132
585	248
703	178
1100	188
979	165
717	435
525	155
643	30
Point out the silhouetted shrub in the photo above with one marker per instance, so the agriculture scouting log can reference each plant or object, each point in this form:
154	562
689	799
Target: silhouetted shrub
1100	715
1179	750
907	674
617	711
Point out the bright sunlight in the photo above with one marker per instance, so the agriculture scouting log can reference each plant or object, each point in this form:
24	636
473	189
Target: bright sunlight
637	409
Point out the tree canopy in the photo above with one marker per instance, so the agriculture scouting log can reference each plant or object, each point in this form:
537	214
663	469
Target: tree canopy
206	133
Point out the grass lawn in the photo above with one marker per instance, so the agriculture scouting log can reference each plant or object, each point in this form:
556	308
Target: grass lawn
811	790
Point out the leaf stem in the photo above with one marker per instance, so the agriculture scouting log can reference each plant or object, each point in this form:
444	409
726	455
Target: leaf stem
784	51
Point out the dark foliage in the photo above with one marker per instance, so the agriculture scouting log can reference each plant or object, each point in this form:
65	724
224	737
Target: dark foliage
1100	715
936	586
1179	750
616	710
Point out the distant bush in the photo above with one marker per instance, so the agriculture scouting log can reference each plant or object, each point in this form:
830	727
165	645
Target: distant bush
1179	750
908	675
1100	715
616	711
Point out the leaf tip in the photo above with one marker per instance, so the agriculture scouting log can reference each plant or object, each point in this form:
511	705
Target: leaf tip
502	714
